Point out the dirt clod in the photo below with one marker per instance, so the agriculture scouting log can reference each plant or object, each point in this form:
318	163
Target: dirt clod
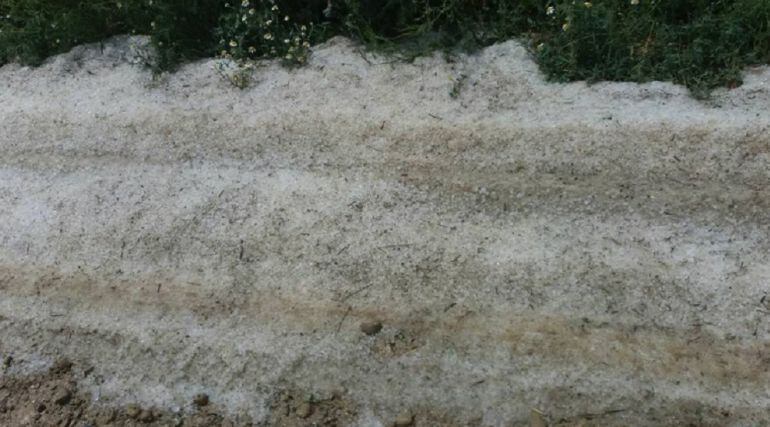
536	418
146	416
404	419
61	366
303	410
133	411
292	409
371	327
62	396
201	399
105	416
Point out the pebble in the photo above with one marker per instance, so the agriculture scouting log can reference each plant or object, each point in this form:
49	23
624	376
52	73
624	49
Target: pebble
371	328
62	396
106	416
133	411
201	399
61	366
404	419
146	416
339	393
303	410
536	418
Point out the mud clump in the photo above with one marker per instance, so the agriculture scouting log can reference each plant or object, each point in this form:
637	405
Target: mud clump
133	411
296	409
62	396
201	400
400	342
371	327
404	419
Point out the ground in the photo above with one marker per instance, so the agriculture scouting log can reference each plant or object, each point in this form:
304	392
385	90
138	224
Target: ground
361	241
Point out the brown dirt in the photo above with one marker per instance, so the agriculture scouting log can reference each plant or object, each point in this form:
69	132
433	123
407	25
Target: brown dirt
297	409
53	399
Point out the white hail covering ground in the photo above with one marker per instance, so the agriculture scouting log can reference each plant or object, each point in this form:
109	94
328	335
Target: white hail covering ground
579	249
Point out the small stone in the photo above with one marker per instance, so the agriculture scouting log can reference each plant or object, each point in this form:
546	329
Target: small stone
146	416
40	407
304	410
61	366
536	418
106	416
201	399
62	396
339	393
7	361
371	328
404	419
133	411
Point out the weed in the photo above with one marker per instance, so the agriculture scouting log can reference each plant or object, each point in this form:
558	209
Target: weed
701	44
247	31
238	73
698	43
457	85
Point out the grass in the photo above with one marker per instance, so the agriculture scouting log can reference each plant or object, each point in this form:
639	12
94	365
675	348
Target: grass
702	44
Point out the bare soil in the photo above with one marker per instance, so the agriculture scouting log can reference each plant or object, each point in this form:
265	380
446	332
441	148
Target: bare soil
52	398
357	243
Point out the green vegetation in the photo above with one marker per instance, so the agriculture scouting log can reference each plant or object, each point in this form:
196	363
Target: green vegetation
699	43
